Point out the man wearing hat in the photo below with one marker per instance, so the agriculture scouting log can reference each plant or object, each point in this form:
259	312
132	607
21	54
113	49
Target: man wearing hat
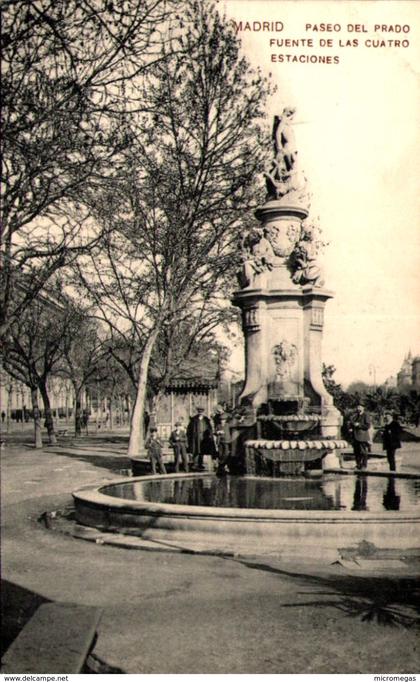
178	440
200	438
359	427
217	417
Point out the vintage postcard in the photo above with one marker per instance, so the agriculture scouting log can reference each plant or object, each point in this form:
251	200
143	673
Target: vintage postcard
210	338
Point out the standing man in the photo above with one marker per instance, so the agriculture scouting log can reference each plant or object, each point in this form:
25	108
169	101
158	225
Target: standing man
200	438
391	438
223	440
360	426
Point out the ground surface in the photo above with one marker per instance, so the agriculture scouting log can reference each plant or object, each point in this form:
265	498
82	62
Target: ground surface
177	613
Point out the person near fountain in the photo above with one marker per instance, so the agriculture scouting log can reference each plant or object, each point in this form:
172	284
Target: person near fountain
359	429
154	449
391	438
223	442
200	438
178	441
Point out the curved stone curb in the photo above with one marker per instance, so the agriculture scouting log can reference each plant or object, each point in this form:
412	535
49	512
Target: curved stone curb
393	565
216	528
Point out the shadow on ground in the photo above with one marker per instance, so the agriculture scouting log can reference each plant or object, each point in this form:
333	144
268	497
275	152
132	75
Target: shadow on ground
387	601
114	463
88	440
18	605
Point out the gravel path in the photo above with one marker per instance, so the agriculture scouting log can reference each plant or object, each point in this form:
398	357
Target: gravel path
177	613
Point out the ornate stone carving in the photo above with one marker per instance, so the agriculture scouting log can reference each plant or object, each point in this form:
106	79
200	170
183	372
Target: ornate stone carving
284	381
283	177
317	319
252	318
306	269
282	237
284	139
257	255
285	354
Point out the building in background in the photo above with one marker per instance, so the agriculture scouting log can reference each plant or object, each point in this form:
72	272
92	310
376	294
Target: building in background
415	375
409	375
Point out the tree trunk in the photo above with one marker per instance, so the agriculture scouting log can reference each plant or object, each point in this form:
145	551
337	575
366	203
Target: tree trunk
49	421
111	413
136	442
77	413
127	413
37	418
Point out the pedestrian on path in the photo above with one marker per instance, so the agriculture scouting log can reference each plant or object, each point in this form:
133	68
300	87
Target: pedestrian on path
391	438
359	428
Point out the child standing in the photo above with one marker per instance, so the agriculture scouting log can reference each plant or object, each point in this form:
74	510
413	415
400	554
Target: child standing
154	449
178	440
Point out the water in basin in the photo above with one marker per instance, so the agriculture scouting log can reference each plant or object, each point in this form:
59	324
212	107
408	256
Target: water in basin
346	493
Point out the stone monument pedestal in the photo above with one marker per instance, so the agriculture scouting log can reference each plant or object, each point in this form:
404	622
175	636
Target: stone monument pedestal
282	299
282	323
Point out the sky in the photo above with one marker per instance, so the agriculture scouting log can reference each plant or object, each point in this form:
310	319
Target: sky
357	131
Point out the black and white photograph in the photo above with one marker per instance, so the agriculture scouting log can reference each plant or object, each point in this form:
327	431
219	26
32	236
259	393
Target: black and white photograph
210	338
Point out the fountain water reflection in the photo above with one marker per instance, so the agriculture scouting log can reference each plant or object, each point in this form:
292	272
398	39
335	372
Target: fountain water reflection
335	493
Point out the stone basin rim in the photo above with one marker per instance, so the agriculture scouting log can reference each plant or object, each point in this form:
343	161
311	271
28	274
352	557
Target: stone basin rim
93	496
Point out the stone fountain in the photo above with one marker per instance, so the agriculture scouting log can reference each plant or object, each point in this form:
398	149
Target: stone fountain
289	424
286	423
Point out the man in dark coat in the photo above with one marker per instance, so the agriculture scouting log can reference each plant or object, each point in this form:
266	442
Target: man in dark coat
223	440
200	438
359	428
391	438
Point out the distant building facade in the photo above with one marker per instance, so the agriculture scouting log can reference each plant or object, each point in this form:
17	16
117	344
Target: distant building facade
409	375
416	373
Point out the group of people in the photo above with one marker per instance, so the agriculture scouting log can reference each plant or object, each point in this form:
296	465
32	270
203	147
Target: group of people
200	438
361	431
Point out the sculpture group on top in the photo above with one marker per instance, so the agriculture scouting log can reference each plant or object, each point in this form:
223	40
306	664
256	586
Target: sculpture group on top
284	242
289	424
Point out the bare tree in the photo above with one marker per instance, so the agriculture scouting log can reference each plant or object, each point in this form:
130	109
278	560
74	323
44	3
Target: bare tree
83	361
34	350
180	203
69	73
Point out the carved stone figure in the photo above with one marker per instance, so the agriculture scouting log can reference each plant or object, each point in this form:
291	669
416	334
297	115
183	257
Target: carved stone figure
283	177
284	140
285	354
257	256
307	269
279	184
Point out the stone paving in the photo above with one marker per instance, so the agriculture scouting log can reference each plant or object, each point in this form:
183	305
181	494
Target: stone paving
166	612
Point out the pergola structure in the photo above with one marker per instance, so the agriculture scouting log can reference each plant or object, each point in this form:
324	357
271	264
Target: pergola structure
192	388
